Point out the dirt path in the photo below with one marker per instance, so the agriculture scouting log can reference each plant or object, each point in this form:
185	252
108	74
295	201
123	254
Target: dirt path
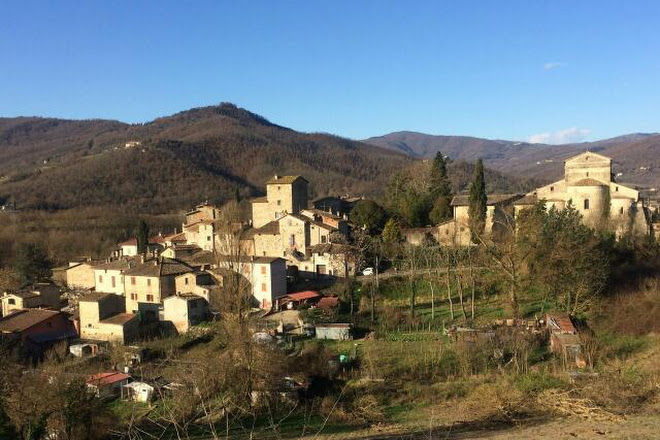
633	428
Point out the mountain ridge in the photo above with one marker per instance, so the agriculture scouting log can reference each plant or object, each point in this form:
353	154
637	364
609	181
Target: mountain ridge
635	155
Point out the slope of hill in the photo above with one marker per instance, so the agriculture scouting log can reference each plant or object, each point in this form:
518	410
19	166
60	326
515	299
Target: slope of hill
200	154
636	155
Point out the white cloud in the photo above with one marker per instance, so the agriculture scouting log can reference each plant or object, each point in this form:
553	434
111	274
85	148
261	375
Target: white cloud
553	65
567	136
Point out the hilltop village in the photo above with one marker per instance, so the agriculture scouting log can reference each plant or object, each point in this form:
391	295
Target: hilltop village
178	279
323	297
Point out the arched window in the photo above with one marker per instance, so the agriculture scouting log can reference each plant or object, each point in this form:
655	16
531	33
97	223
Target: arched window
586	203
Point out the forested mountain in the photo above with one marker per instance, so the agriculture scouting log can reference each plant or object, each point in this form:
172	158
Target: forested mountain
201	154
636	156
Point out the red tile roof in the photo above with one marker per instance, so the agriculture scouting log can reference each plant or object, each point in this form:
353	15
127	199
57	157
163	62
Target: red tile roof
561	324
328	302
299	296
100	379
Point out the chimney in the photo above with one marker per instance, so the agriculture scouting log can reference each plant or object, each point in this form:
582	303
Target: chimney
276	177
156	262
142	259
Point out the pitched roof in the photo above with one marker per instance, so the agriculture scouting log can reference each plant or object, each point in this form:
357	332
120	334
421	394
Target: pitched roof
299	296
94	296
121	264
108	378
560	323
270	228
119	319
493	199
266	260
176	237
158	268
129	242
589	153
199	258
284	180
22	320
588	182
529	199
263	199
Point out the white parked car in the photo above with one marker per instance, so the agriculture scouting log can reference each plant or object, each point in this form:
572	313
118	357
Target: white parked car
368	271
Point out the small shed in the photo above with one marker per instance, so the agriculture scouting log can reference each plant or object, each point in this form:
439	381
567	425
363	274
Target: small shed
138	392
294	300
108	384
84	349
336	331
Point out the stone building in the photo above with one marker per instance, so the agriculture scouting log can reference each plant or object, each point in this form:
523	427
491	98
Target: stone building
103	318
38	296
589	185
147	284
284	195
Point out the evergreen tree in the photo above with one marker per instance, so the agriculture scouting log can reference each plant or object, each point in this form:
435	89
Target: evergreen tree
439	186
143	237
32	263
391	232
478	201
440	190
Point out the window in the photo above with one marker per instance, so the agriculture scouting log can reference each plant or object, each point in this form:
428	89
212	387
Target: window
100	278
148	282
621	210
12	301
186	281
134	296
552	188
132	281
292	240
324	239
263	270
279	203
616	189
208	238
587	173
113	281
264	288
586	203
150	298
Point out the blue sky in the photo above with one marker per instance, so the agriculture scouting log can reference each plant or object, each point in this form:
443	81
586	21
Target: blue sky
550	71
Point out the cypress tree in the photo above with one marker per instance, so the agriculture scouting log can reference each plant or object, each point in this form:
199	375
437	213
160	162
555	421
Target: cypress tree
477	202
142	237
440	190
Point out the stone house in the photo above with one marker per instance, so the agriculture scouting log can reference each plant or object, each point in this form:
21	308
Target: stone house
338	222
499	214
201	284
109	277
40	295
200	233
147	284
185	310
204	211
80	275
265	275
329	260
35	330
102	317
284	195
